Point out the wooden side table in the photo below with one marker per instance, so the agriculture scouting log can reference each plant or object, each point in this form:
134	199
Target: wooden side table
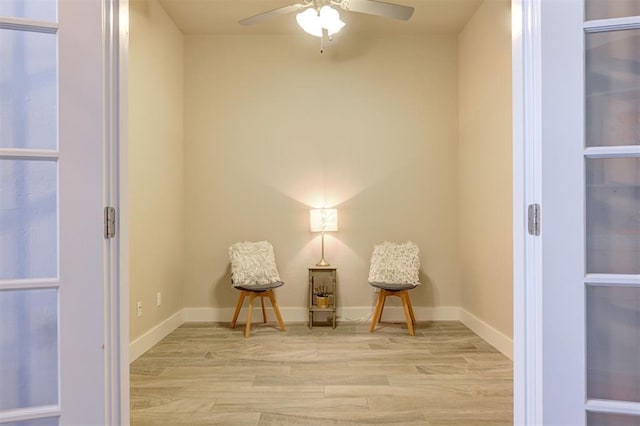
322	279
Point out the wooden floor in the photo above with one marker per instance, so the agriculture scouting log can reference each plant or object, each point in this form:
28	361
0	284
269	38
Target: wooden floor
210	374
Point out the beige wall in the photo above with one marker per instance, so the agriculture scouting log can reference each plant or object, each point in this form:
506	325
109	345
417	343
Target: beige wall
273	127
485	178
156	181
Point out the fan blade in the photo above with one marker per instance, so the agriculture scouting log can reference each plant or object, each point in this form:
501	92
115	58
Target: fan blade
273	13
378	8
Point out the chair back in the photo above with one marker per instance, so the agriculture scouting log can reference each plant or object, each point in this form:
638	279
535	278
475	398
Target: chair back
395	264
253	264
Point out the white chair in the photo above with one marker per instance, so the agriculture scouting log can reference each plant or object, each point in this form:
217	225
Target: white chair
394	270
254	273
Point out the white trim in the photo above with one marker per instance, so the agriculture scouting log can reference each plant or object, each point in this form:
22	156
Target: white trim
114	311
30	413
29	284
613	280
519	200
492	336
527	267
617	407
145	342
612	24
123	207
612	151
29	154
519	247
31	25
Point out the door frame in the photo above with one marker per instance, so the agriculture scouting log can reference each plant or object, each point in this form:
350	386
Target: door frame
527	182
527	266
118	63
116	263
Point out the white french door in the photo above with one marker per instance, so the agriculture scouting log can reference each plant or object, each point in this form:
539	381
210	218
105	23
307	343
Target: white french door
54	345
589	177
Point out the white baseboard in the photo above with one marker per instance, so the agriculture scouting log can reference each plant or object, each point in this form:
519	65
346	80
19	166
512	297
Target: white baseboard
301	314
153	336
492	336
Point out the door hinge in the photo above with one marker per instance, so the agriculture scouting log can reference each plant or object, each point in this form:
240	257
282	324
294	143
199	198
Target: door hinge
534	219
109	222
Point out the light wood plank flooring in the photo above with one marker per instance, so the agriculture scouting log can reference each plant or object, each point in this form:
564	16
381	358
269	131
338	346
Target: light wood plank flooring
210	374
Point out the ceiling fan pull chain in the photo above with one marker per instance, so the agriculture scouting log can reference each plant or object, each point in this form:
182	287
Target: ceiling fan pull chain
322	44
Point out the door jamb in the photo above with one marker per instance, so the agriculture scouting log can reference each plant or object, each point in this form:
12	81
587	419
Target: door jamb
120	128
527	267
116	253
123	175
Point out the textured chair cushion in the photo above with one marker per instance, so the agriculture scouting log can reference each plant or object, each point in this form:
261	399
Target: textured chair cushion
395	263
253	264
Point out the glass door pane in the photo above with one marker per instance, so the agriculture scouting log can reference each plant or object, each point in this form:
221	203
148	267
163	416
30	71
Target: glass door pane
39	10
28	90
613	215
604	9
28	219
612	88
28	348
613	343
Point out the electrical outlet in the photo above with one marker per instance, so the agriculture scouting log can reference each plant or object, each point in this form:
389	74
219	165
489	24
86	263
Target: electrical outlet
158	298
139	309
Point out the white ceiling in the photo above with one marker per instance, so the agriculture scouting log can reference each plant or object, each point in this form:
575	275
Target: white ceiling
222	16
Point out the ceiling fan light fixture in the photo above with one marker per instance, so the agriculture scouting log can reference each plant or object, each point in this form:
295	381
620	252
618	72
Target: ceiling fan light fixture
309	22
313	22
330	19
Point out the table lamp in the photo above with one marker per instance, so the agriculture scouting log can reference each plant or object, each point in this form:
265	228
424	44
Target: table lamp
323	220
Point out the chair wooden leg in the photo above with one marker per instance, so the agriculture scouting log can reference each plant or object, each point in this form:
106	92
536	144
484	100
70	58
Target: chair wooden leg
238	307
247	328
405	305
264	313
413	317
272	298
385	293
378	311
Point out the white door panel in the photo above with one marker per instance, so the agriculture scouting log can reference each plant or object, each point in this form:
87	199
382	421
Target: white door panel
590	158
52	303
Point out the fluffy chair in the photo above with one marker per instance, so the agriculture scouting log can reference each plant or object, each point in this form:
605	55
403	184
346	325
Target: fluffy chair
254	273
394	270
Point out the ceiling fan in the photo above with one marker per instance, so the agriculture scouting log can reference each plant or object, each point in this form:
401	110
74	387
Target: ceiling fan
317	17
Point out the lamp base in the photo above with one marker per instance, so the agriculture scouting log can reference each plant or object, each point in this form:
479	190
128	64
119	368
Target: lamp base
323	262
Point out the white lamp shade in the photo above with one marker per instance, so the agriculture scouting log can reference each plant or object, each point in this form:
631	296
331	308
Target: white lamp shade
330	19
309	22
313	22
323	220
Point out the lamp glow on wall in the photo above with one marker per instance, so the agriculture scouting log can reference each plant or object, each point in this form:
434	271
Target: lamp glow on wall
313	22
323	220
